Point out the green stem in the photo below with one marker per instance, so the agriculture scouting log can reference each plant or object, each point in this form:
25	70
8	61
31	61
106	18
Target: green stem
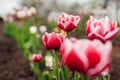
108	77
64	72
56	68
99	78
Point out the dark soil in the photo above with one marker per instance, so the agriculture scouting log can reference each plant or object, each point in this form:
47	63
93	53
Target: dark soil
13	65
115	66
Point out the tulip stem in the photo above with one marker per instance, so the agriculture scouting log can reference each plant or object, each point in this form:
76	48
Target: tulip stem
56	69
64	71
108	77
99	78
83	77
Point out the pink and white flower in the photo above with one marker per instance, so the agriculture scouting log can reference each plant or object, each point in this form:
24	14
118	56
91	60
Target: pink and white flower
36	57
67	22
52	40
89	57
102	29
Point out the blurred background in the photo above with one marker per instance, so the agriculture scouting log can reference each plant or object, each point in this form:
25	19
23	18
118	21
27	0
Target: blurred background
46	8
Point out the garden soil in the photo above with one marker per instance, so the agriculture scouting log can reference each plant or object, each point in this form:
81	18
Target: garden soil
13	65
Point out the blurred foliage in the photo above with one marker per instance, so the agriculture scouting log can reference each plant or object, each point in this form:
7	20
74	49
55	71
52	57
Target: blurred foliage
26	41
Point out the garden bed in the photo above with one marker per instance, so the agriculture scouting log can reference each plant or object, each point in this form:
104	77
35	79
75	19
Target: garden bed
13	65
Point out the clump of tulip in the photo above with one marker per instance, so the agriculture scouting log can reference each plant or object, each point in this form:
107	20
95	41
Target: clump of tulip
91	57
20	13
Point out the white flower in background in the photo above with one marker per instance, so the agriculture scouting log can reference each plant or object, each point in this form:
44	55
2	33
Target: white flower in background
21	14
48	61
42	28
25	8
8	18
31	12
7	5
33	29
13	12
18	8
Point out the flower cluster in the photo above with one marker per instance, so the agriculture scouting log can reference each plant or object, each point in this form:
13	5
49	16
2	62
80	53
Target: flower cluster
20	13
33	29
88	56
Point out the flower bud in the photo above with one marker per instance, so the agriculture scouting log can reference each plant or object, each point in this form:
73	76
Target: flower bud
36	57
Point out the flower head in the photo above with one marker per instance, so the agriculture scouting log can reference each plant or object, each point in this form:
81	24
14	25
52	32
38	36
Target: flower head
67	22
89	57
31	12
36	57
102	29
52	40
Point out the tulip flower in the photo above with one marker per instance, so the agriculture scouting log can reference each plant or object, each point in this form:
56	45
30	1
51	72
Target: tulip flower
102	29
36	57
21	14
52	40
67	22
89	57
31	12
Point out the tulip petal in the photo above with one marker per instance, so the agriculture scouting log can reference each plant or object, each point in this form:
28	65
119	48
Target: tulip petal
105	52
114	23
87	27
54	41
112	34
92	36
65	48
93	56
74	62
45	39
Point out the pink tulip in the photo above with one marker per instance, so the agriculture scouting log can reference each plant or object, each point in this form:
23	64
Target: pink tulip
36	57
67	22
89	57
52	40
102	29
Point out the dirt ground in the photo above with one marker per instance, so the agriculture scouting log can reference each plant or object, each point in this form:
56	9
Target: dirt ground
115	65
13	66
